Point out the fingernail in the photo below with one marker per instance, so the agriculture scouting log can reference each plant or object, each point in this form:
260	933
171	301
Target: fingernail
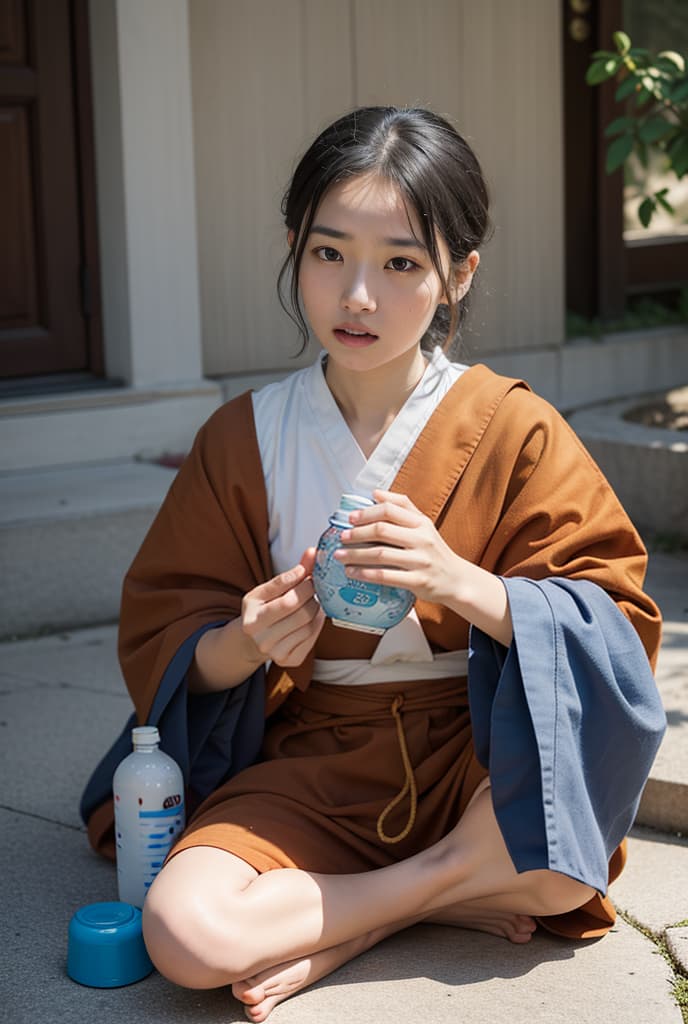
345	535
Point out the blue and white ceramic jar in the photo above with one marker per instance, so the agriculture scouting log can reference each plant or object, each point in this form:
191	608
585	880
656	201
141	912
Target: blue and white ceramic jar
354	604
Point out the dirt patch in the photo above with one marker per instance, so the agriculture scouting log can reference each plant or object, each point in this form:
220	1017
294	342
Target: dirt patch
668	411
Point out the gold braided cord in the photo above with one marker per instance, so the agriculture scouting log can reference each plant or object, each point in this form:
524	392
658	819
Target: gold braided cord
409	783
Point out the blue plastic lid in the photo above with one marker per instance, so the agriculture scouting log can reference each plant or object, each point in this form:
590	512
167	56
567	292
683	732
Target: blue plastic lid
102	917
106	947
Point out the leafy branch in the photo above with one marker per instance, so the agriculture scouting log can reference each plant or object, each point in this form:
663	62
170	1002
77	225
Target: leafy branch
655	90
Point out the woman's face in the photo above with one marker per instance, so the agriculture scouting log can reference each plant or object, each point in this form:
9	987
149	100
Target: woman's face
367	283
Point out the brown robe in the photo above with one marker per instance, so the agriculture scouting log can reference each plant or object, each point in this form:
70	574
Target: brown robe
507	483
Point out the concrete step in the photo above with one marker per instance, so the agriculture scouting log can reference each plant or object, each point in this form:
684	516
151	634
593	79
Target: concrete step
67	536
646	466
665	800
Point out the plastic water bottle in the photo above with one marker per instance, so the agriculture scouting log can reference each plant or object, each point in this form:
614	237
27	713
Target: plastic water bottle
148	791
354	604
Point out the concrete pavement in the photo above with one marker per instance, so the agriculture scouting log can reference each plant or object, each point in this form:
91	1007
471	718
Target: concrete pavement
62	701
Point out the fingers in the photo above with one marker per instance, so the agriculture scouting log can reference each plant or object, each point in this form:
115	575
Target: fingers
395	508
380	532
393	498
259	614
292	649
282	617
376	557
279	585
307	560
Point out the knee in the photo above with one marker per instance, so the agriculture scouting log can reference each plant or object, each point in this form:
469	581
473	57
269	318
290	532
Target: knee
558	894
190	939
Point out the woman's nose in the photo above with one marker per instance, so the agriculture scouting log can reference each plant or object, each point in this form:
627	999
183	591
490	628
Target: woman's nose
357	296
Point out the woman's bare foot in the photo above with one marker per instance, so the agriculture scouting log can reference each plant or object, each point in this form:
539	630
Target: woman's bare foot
516	928
261	993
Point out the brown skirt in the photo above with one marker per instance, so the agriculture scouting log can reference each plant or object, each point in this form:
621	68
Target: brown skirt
356	778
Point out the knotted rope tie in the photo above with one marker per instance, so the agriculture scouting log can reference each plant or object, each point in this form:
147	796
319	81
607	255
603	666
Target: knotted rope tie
409	783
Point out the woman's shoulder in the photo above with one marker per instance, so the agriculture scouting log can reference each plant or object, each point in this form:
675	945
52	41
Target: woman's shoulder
272	398
512	396
266	401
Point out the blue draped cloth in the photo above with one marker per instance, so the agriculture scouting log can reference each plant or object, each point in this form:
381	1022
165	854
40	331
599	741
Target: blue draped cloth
567	721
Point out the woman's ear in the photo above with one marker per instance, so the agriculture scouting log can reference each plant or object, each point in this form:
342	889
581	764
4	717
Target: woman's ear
462	277
290	237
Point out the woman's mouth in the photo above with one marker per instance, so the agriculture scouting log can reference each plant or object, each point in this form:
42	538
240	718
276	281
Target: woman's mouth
354	339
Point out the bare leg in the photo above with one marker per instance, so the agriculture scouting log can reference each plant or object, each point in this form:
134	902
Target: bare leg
209	920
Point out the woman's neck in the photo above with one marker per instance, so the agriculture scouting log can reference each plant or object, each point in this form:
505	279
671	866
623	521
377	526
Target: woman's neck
369	401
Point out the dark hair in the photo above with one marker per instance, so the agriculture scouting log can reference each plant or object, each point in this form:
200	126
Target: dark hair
434	168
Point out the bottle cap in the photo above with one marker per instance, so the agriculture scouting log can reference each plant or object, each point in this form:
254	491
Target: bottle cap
145	736
348	503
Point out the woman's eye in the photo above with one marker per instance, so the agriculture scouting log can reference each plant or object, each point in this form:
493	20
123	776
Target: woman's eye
327	254
402	263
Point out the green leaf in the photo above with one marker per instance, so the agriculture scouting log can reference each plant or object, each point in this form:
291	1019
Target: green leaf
678	154
666	69
663	89
659	196
675	58
598	72
618	151
626	88
680	91
602	54
641	150
622	124
642	97
622	42
645	211
654	128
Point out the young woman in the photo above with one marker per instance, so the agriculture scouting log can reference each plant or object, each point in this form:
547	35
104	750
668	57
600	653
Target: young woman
403	778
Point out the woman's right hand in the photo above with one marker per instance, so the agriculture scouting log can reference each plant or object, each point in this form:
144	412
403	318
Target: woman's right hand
281	618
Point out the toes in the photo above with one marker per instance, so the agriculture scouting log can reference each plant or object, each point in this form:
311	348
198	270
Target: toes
520	928
261	1012
248	991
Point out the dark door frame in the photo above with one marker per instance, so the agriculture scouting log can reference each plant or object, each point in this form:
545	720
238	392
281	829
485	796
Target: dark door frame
83	101
59	332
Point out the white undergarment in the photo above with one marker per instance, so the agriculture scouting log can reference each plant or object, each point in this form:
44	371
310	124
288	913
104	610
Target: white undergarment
310	458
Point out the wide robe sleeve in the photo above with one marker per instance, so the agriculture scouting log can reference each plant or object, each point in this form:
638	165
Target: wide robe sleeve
207	546
568	722
568	719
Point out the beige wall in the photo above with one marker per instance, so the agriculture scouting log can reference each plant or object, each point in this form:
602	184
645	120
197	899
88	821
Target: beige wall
268	74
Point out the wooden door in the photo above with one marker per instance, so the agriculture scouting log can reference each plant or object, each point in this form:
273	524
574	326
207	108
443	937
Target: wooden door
47	224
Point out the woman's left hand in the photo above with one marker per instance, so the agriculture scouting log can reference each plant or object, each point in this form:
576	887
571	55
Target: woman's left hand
406	550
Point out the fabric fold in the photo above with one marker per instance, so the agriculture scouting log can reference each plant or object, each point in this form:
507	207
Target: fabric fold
568	721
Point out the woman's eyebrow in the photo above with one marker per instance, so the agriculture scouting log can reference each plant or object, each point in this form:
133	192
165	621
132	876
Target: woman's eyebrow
321	229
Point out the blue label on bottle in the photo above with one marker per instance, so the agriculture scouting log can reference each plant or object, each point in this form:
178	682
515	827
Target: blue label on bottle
361	598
